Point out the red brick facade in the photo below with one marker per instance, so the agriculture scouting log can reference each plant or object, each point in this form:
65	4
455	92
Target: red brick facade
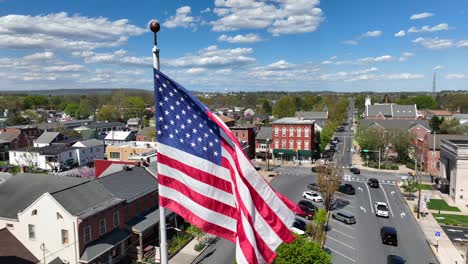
293	136
247	135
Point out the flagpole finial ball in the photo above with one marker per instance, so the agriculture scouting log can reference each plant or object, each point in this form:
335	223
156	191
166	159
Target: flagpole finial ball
154	26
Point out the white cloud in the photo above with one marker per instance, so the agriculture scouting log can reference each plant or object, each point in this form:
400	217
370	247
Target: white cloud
248	38
421	15
438	67
61	31
439	27
400	33
213	57
206	10
405	56
462	43
453	76
64	68
195	70
278	17
350	42
434	43
376	59
379	77
117	57
372	34
40	56
182	18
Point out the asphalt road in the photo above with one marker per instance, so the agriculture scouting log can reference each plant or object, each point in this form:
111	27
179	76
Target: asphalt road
457	235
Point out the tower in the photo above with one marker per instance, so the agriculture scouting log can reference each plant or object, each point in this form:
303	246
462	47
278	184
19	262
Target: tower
434	84
368	101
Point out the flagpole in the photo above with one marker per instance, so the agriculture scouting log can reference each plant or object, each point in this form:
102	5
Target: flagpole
154	26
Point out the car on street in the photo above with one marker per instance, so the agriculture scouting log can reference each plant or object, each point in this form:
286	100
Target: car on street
313	187
394	259
299	226
344	217
381	209
388	235
307	203
307	213
373	183
354	170
336	139
313	196
347	189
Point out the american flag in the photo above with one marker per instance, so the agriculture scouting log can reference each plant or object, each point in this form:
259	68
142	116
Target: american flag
205	177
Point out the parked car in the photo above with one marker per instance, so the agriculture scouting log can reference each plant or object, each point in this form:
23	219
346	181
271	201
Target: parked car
373	183
344	217
299	226
388	235
381	209
347	189
307	212
394	259
354	170
313	196
313	187
336	139
308	203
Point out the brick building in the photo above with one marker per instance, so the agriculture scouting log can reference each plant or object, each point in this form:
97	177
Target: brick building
293	138
15	138
246	136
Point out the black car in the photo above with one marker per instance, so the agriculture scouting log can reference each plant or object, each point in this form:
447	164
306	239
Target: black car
299	224
336	139
373	183
313	187
388	235
394	259
354	170
308	204
347	189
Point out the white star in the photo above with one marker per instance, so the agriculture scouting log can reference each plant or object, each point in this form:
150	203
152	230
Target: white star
160	118
200	125
176	131
172	122
177	102
199	139
171	94
171	136
166	127
187	135
182	99
160	89
171	107
206	135
182	126
181	140
159	132
188	107
205	148
177	117
160	103
183	112
164	85
216	140
157	76
175	91
166	99
194	116
194	130
211	144
166	112
193	144
215	153
211	130
189	121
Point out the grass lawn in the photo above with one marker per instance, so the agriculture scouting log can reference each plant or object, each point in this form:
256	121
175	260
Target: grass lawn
450	219
435	204
425	186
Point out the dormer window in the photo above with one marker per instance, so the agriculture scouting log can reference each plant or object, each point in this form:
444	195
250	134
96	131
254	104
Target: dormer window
34	212
59	216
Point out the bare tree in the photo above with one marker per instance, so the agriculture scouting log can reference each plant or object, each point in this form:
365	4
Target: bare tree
329	180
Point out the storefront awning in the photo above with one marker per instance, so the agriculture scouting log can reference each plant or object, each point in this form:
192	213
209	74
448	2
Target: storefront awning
140	224
103	245
291	152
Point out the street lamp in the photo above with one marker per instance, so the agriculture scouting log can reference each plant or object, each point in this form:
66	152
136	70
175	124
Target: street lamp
177	232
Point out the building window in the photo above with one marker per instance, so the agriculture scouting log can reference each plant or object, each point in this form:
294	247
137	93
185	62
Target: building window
306	132
276	144
34	212
59	216
291	132
299	144
10	226
276	132
64	236
87	234
237	134
283	132
32	232
291	144
243	134
299	130
102	226
114	155
115	217
283	144
69	154
306	144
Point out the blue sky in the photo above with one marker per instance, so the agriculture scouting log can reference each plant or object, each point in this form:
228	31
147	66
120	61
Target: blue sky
236	45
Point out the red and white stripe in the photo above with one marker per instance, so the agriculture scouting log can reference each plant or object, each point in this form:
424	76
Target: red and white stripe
230	200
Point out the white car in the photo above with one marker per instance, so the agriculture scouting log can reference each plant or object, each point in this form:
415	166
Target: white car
313	196
381	209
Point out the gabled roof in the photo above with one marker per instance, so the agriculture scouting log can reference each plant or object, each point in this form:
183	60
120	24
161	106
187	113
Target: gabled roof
439	137
46	150
394	123
9	136
47	137
88	143
146	130
118	135
12	251
311	115
264	133
95	125
440	112
130	184
404	110
384	109
225	119
391	110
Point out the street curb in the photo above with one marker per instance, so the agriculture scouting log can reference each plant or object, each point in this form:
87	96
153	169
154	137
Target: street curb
201	251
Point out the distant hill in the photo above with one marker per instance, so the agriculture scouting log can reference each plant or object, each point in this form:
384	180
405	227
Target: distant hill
61	92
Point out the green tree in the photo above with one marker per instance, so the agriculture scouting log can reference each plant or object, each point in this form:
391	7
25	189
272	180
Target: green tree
84	109
400	140
448	126
421	101
372	139
196	232
327	133
302	251
108	113
72	109
14	118
266	107
285	107
435	123
133	107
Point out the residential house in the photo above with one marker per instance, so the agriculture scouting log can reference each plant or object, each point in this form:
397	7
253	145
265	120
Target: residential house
390	111
12	251
446	114
130	151
246	137
293	138
102	128
14	138
462	118
134	123
418	128
260	119
319	117
227	120
453	169
117	137
89	150
428	151
146	134
47	138
264	142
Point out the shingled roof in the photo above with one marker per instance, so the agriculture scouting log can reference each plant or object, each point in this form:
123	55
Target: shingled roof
12	251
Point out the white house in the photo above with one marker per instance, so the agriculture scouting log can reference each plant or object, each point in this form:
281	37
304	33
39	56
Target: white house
47	138
89	150
116	137
52	158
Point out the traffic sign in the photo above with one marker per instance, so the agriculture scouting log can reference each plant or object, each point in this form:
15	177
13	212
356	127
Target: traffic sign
365	150
437	233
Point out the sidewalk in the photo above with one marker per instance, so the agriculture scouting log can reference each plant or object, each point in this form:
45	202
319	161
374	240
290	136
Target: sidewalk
188	254
447	253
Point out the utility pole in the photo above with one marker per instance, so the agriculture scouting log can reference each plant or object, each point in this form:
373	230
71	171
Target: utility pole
268	154
379	158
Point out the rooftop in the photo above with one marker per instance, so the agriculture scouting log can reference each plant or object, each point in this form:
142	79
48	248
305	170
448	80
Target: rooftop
312	115
47	137
136	144
118	135
439	137
95	125
12	251
46	150
294	121
394	123
9	136
264	133
88	143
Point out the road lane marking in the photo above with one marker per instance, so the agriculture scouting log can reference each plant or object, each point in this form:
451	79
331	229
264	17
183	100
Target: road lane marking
329	237
370	198
363	209
344	234
341	254
385	194
338	222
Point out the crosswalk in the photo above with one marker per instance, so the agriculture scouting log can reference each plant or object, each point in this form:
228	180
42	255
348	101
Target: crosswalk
356	179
